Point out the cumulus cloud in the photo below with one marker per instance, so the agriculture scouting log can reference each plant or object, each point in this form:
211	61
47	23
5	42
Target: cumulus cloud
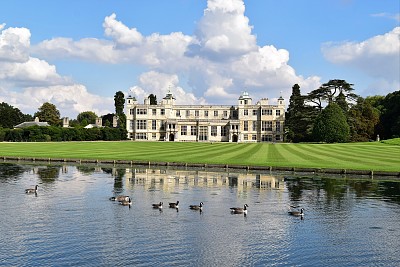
27	82
216	62
160	84
378	57
121	34
14	44
69	99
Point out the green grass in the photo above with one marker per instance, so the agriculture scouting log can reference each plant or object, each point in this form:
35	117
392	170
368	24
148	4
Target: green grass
380	156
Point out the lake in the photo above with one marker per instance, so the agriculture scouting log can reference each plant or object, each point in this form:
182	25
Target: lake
72	222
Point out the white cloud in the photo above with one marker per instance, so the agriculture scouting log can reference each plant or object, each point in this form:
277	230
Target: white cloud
160	84
69	99
121	34
27	82
378	57
214	65
14	44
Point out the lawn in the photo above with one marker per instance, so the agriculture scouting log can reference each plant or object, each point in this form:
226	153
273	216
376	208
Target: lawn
380	156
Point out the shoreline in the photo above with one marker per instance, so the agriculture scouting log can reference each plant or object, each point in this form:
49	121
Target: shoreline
370	173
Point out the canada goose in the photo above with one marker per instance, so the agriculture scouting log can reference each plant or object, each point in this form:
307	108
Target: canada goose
297	212
119	198
126	202
174	205
239	210
32	190
196	207
158	206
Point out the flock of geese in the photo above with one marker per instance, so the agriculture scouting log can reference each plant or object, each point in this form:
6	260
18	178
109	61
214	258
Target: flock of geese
127	201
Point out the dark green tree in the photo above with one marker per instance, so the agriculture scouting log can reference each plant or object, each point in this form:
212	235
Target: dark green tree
331	125
108	119
86	117
119	102
299	117
328	92
362	119
390	116
10	116
49	113
153	99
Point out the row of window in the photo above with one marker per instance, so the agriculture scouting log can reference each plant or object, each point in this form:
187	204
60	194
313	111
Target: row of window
204	137
265	126
264	112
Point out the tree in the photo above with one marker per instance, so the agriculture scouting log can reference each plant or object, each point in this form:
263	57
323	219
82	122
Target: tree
362	119
328	92
153	99
49	113
10	116
119	102
299	117
89	117
390	118
331	125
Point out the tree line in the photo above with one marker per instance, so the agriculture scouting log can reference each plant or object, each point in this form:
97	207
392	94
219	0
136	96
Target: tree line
334	113
11	116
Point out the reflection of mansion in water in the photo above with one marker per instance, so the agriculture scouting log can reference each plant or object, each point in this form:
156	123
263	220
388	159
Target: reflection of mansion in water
169	178
165	121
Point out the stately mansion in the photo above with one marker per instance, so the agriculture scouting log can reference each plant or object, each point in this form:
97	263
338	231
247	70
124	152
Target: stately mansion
244	122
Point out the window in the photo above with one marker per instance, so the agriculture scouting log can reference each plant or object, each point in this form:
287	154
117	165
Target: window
141	111
132	125
131	112
245	137
141	136
154	136
141	124
278	126
266	126
205	113
255	112
154	125
196	113
183	130
278	112
162	125
224	130
245	126
203	133
278	137
171	126
266	138
225	114
254	137
213	130
246	112
245	102
266	112
162	111
193	130
178	113
154	111
215	113
187	113
254	125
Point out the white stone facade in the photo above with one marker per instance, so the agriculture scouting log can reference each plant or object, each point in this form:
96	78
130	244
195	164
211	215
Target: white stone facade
244	122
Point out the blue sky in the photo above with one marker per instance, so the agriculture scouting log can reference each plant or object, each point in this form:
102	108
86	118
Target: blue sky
77	54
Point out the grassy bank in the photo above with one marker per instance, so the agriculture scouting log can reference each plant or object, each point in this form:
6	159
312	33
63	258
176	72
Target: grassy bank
379	156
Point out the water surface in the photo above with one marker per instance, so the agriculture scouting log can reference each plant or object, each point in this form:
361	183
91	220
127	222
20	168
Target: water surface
72	222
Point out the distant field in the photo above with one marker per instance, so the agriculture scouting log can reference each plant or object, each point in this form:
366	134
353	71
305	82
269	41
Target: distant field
382	156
